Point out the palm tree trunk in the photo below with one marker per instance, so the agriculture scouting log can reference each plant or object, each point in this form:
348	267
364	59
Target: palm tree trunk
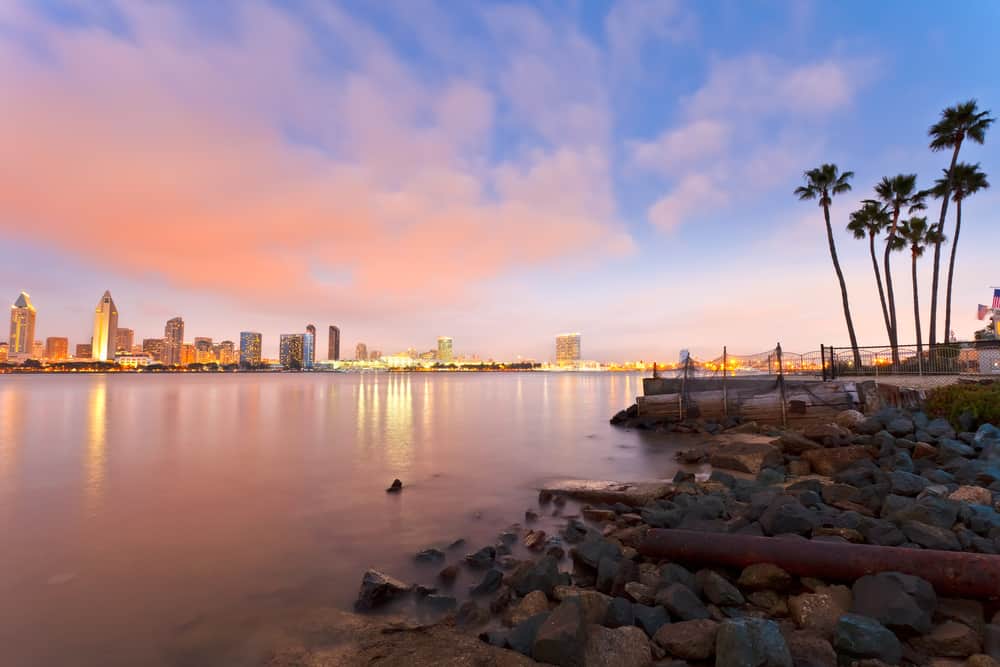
878	281
893	340
951	270
843	291
937	253
916	311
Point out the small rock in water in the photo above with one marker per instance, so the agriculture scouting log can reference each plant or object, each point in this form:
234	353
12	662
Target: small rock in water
460	542
429	556
529	515
482	558
376	589
395	487
449	573
491	582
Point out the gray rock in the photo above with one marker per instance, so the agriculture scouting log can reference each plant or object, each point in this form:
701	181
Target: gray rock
378	588
560	639
660	518
627	572
718	590
930	537
471	615
897	600
607	570
429	556
439	603
882	533
949	449
650	619
672	573
691	640
682	603
541	575
623	647
751	642
483	558
786	514
619	614
900	426
939	428
869	426
490	583
862	637
810	650
935	511
522	636
593	549
906	484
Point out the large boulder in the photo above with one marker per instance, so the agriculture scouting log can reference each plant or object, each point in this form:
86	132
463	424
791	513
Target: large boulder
786	514
593	549
561	638
619	613
751	642
541	575
748	457
595	605
832	461
898	601
620	647
522	637
682	603
863	637
532	604
931	537
377	588
690	640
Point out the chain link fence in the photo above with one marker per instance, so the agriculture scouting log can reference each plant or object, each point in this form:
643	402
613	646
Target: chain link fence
922	366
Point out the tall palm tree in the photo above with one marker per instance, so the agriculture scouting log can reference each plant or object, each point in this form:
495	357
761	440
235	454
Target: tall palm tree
896	193
960	182
918	234
823	183
870	221
958	123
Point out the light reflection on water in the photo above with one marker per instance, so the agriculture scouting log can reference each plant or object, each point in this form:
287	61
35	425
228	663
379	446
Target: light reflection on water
131	506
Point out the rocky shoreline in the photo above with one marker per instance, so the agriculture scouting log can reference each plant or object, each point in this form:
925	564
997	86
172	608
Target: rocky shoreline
895	478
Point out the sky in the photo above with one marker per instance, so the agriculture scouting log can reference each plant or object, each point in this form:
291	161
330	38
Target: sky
497	172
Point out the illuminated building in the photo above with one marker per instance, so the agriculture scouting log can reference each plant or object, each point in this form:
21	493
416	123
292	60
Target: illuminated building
203	352
225	352
105	327
124	340
309	346
444	348
83	351
129	360
291	350
375	355
429	355
3	352
361	352
38	350
22	325
56	348
333	346
155	348
249	349
173	341
188	354
567	349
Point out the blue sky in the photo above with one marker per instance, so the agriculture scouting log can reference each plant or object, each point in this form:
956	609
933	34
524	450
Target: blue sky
497	172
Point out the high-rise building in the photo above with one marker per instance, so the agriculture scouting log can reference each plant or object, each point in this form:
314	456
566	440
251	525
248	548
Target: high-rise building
291	350
309	347
56	348
225	353
249	349
3	352
83	351
203	352
189	354
155	348
38	350
173	341
444	348
333	346
124	340
567	349
375	355
105	327
22	325
361	352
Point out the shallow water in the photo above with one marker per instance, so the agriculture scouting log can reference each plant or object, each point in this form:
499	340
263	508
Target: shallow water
136	510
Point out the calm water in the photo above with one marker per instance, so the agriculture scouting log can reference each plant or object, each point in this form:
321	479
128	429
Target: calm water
138	512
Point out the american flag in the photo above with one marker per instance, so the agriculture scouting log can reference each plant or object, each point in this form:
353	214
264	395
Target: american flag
996	299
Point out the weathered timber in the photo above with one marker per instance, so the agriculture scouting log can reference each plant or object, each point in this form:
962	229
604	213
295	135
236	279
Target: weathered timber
953	574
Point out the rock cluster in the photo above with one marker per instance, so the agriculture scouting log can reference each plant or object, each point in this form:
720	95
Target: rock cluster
893	479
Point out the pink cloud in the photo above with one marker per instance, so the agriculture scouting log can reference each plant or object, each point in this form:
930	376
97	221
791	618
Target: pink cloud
683	147
695	191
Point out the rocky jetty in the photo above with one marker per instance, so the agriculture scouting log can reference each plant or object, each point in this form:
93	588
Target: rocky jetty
592	597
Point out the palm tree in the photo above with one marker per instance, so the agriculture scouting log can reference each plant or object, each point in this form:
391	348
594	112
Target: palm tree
896	193
870	221
960	182
918	234
822	183
957	123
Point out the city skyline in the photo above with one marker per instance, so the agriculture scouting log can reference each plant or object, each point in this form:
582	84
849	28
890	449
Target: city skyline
565	167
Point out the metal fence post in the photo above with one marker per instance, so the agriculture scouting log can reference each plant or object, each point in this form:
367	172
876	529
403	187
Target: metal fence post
781	386
725	371
822	360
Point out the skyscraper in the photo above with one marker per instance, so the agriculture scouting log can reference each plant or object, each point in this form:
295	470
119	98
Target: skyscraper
173	341
291	350
333	346
188	354
309	346
105	328
225	353
203	351
22	325
249	349
56	348
3	352
155	348
444	348
361	352
124	340
567	349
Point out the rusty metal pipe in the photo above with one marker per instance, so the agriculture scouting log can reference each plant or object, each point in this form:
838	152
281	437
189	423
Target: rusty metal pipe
954	574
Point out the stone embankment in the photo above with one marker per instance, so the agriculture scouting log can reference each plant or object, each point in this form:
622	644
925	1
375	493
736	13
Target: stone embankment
896	479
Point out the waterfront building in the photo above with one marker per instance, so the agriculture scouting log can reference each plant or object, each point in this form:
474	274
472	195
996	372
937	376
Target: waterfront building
250	349
567	349
56	348
130	360
83	351
22	325
429	355
225	353
333	345
445	350
3	352
361	352
203	352
291	350
124	340
173	341
375	355
105	328
155	348
309	346
189	354
37	350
